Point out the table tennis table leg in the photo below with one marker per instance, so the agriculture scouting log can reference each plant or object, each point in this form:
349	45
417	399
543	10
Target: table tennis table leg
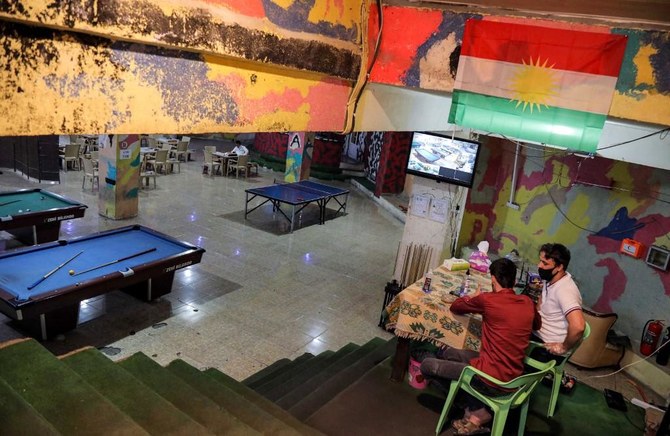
292	217
246	204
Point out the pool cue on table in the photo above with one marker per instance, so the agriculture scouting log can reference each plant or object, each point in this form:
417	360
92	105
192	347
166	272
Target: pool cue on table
9	202
44	277
116	261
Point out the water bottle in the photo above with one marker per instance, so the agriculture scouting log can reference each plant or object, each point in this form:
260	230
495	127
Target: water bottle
426	283
465	288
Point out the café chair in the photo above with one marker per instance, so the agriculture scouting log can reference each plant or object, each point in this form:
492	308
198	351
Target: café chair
145	176
172	161
522	386
557	371
239	164
187	140
212	164
160	161
90	172
181	151
252	165
595	351
71	156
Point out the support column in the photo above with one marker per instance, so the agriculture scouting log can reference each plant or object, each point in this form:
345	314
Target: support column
119	173
392	161
299	156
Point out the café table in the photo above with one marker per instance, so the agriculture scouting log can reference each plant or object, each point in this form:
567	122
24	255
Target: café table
224	158
425	316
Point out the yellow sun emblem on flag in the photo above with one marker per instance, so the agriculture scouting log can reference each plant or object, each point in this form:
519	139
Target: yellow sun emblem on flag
533	85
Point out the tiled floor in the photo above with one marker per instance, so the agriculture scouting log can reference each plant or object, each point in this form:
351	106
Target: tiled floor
260	293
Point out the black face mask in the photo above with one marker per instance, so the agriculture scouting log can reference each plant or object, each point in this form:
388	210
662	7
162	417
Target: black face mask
546	274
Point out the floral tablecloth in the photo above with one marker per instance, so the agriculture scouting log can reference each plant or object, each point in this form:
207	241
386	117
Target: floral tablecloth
417	315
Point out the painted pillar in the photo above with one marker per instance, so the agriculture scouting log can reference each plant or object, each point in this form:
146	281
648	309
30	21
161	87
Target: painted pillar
307	154
298	156
392	162
119	173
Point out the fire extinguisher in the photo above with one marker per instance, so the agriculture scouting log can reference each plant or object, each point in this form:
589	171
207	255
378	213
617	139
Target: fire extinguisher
650	336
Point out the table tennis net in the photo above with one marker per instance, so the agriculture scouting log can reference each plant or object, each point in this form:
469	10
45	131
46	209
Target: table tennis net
307	189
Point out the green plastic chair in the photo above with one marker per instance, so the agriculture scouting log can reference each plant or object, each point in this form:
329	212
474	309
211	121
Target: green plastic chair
557	371
523	385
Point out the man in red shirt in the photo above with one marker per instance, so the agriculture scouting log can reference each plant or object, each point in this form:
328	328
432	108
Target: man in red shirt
507	322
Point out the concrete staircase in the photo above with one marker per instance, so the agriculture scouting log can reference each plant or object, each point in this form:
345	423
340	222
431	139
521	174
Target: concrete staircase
84	392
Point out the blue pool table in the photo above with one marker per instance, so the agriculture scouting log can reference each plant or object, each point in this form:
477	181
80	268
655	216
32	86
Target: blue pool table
51	306
33	216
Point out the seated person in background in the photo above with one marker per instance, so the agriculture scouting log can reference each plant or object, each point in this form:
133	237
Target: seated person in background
507	322
239	149
560	305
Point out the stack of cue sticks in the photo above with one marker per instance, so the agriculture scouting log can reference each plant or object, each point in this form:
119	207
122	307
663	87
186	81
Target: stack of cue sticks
416	262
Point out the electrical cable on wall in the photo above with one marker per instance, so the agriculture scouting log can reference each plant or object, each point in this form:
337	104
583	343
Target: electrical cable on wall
357	90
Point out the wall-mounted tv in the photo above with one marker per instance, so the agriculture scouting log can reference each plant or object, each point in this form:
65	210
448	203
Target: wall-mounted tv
443	158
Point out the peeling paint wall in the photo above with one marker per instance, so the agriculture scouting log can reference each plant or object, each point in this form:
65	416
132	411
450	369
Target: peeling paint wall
317	37
175	67
69	83
426	57
589	205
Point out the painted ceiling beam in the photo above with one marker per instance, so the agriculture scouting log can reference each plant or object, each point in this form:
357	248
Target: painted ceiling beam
269	34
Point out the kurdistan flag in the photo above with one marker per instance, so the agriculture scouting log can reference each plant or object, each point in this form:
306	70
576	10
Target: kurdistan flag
541	84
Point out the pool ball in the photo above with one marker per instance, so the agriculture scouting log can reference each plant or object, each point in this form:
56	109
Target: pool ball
42	198
27	210
20	210
71	272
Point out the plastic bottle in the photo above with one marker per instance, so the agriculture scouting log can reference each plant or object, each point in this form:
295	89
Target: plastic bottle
465	289
664	353
426	283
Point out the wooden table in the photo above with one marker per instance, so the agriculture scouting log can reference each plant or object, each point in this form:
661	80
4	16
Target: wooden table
416	315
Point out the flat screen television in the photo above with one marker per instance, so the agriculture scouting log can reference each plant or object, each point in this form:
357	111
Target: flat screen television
443	159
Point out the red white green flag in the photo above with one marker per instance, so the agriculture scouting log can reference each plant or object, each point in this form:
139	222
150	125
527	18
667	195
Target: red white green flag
542	84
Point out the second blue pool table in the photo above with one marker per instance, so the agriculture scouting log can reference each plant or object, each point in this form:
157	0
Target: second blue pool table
52	306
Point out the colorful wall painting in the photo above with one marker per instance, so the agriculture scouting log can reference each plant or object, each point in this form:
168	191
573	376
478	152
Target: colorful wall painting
426	57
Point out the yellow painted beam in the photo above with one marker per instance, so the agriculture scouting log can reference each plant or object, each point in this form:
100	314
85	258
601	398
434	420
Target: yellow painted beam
325	40
65	83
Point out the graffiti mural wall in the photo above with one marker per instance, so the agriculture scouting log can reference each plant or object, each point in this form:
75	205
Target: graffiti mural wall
590	205
426	57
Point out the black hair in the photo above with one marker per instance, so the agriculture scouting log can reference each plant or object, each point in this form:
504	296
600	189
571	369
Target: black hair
559	253
238	143
504	271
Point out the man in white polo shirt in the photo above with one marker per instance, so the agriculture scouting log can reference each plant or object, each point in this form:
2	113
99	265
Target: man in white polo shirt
560	305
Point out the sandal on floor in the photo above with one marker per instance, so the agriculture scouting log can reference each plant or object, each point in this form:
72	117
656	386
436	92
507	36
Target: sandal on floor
471	428
458	424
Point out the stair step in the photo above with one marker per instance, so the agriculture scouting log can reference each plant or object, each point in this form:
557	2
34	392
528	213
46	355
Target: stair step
311	385
155	414
268	373
302	377
293	371
247	412
184	397
304	408
60	395
260	401
20	418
